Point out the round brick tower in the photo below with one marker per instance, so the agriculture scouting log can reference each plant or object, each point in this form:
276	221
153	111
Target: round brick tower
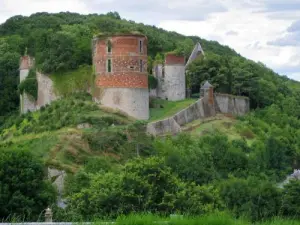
120	63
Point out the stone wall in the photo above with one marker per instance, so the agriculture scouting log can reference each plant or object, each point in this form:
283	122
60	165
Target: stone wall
230	104
134	102
46	93
28	104
167	126
153	93
171	82
199	110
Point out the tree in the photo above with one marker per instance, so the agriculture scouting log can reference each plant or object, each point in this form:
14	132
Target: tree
254	198
291	198
23	189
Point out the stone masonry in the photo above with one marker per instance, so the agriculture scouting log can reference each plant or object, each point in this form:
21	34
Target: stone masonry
27	103
171	78
120	64
207	106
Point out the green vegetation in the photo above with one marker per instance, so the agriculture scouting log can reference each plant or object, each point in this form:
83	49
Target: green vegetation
66	83
30	85
160	109
211	219
228	165
23	188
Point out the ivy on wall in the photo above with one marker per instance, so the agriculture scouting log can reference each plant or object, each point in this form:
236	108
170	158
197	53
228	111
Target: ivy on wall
152	82
30	84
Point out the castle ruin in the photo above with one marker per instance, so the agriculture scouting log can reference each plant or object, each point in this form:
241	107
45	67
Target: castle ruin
120	63
45	87
121	82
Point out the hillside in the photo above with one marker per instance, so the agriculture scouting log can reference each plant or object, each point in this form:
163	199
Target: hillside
68	37
224	164
69	132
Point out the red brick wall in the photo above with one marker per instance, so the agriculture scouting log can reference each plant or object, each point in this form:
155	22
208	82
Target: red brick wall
174	59
125	58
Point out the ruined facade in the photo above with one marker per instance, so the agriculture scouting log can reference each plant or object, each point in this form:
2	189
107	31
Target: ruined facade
120	63
171	78
27	102
209	105
45	88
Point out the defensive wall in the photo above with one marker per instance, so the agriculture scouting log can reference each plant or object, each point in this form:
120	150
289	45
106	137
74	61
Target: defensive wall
201	109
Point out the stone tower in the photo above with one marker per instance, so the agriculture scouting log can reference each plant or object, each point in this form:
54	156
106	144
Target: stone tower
171	78
120	63
27	103
207	92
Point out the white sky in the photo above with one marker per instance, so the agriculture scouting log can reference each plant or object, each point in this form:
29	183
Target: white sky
262	30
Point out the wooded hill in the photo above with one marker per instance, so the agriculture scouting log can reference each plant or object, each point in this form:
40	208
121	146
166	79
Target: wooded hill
62	42
115	168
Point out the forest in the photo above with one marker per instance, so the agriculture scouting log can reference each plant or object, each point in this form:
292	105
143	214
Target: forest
117	169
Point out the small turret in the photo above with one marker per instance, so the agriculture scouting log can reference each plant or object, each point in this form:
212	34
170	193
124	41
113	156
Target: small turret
207	92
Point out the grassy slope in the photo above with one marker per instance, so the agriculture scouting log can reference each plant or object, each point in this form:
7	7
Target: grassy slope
52	133
163	109
224	124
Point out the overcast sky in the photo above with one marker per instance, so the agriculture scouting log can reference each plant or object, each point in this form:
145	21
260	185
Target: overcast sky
262	30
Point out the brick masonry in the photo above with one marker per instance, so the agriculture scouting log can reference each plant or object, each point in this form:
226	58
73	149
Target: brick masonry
125	59
172	59
125	86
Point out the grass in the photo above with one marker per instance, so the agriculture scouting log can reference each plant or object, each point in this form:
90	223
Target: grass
67	83
51	134
221	123
212	219
163	109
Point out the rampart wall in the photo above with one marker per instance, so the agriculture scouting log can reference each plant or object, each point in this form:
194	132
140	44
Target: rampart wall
46	93
231	104
201	109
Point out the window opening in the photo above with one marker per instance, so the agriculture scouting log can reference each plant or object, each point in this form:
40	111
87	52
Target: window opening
109	46
109	65
141	65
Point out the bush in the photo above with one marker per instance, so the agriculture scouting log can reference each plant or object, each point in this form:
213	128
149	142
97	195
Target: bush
23	187
30	85
291	199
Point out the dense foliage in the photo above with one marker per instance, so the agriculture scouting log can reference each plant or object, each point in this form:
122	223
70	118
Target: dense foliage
115	168
30	85
62	42
23	189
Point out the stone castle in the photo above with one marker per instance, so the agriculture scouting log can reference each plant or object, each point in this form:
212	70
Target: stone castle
121	77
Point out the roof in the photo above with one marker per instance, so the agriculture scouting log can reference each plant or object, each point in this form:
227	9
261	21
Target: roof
198	50
206	85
